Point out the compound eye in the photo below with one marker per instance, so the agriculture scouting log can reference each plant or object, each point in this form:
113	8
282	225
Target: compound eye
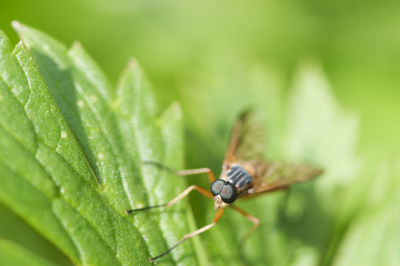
217	186
228	193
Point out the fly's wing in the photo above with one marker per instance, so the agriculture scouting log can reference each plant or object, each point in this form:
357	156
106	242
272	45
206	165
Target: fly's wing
278	175
247	139
246	145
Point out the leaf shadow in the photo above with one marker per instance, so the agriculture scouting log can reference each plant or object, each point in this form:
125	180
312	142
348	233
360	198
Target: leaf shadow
310	217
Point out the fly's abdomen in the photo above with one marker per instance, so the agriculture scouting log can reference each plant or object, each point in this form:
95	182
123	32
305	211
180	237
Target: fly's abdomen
239	177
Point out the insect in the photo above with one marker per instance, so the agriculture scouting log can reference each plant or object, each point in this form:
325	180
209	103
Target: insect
244	174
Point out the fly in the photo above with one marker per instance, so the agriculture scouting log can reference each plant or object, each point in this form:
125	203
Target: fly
244	174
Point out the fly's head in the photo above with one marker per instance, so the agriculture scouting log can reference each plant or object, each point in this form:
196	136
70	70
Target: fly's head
224	193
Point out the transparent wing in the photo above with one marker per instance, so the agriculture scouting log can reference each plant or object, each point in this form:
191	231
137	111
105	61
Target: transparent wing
272	176
247	139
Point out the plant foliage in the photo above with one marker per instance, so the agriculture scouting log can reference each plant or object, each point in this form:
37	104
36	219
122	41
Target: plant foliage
72	147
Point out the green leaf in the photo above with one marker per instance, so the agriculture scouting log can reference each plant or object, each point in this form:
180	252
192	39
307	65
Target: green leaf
296	227
70	155
321	132
211	111
14	254
71	149
372	238
26	187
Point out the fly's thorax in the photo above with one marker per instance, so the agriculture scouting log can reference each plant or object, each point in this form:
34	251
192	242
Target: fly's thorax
239	177
231	184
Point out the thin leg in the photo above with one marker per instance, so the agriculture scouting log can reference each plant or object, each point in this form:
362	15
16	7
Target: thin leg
249	217
178	198
198	231
208	171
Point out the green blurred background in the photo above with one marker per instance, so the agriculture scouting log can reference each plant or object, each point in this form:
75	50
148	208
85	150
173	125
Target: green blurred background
357	43
192	49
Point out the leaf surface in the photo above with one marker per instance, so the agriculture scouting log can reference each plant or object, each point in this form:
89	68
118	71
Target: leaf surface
14	254
71	149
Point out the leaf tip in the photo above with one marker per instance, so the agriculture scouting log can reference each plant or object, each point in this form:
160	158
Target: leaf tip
20	47
133	63
76	48
16	25
76	45
19	44
176	108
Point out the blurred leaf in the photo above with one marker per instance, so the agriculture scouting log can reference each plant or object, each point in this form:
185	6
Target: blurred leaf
211	106
70	153
296	227
76	168
305	216
214	97
373	239
321	132
13	254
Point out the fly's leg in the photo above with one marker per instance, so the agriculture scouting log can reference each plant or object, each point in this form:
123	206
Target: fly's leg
198	231
204	192
207	171
251	218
